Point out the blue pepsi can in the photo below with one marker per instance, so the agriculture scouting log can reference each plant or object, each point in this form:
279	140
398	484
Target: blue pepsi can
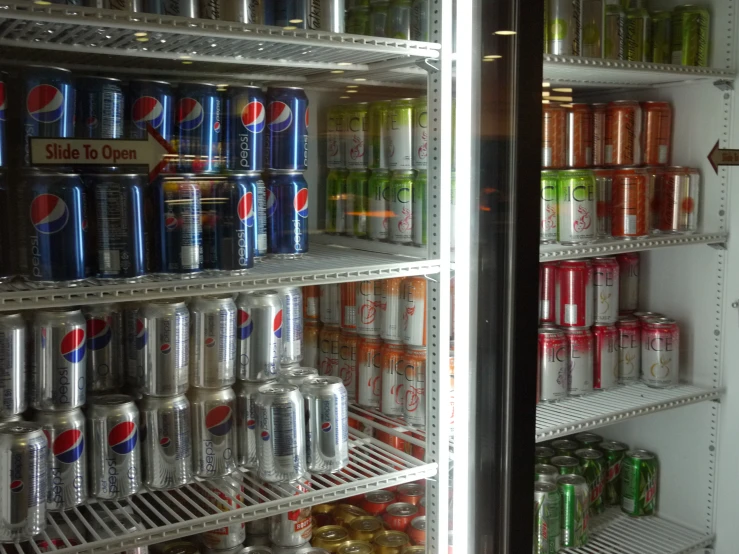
287	129
257	225
246	120
117	216
3	107
53	217
287	214
49	105
179	229
100	106
199	128
150	103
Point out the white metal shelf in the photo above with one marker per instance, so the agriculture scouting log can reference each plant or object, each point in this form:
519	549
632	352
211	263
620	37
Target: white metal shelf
616	533
195	508
593	72
549	252
605	408
323	264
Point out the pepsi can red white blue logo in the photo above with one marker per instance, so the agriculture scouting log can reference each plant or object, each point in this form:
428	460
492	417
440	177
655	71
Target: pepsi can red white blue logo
122	438
219	421
45	103
142	335
246	209
199	128
287	129
150	103
244	325
49	214
72	346
277	325
99	333
287	214
69	446
246	121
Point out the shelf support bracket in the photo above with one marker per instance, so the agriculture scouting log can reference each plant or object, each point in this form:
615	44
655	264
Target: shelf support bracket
717	245
724	85
429	65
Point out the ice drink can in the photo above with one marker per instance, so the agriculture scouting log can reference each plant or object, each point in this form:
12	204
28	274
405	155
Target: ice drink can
368	302
311	303
335	126
369	372
420	208
660	352
548	207
581	347
553	365
554	137
357	202
400	225
348	296
213	435
605	288
574	294
330	304
390	309
414	386
213	342
392	398
628	296
420	134
605	360
356	136
12	365
623	133
328	355
399	132
413	308
336	201
580	136
348	341
629	349
576	206
377	123
327	437
379	204
604	201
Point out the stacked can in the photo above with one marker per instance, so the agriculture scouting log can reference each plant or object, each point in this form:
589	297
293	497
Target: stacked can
400	19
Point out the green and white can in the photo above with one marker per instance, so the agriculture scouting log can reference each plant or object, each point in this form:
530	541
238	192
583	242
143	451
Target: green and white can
662	36
690	35
335	201
638	35
420	134
545	473
401	207
564	27
614	35
335	138
593	469
399	145
355	136
547	509
639	483
420	186
357	202
574	519
378	219
377	122
614	453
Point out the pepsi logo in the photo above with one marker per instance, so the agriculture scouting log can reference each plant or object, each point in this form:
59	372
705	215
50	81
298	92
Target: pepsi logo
246	209
68	446
99	333
326	426
165	442
219	421
280	117
45	103
244	324
250	423
217	126
189	114
300	202
253	117
265	436
91	122
165	348
271	203
16	486
122	437
147	110
43	337
2	101
49	214
277	325
141	333
73	346
170	223
210	342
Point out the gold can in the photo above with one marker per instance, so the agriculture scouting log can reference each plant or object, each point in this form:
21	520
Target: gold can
344	514
365	528
356	547
414	550
322	515
330	537
391	542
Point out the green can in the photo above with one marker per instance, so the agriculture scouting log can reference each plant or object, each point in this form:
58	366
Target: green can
420	134
613	452
355	136
574	497
398	23
576	208
545	473
593	469
662	36
400	229
592	21
378	17
690	35
419	208
378	218
543	454
565	447
335	201
548	207
547	510
399	131
357	202
614	33
639	483
589	440
358	21
638	35
353	4
377	125
420	20
567	465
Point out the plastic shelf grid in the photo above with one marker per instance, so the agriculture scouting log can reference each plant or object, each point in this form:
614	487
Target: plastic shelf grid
323	264
599	409
549	252
194	508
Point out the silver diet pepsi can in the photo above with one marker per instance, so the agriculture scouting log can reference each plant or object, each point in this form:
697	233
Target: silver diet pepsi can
167	441
246	437
212	342
58	365
281	433
213	435
12	365
130	323
292	325
162	343
67	458
327	437
257	12
104	347
260	352
115	459
183	8
22	481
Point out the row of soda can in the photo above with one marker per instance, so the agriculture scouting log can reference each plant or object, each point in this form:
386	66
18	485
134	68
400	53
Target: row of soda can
627	30
399	19
115	226
578	206
619	133
241	129
575	479
387	134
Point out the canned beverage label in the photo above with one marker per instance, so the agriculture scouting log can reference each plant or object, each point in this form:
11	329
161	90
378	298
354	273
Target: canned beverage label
328	356
581	348
574	294
246	421
330	304
548	208
547	292
260	334
400	229
564	19
335	126
292	322
357	203
213	435
547	507
420	134
575	503
657	132
553	364
628	298
390	310
554	135
12	365
414	374
327	437
291	530
379	205
413	309
605	289
593	469
348	362
179	234
393	381
580	134
631	204
605	361
638	35
690	35
356	136
368	307
287	215
246	116
287	125
614	453
623	133
348	306
213	342
639	476
369	372
660	353
629	349
576	206
399	132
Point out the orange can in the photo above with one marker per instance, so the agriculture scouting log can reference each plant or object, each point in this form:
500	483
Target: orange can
580	136
376	502
599	134
418	452
656	132
623	133
417	531
348	342
414	311
398	516
392	396
328	354
311	350
411	493
655	175
349	306
344	514
631	209
390	309
369	372
311	303
414	373
553	132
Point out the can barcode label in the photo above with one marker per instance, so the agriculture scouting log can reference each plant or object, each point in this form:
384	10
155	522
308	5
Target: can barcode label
628	505
571	314
294	347
630	225
262	243
283	431
190	256
109	260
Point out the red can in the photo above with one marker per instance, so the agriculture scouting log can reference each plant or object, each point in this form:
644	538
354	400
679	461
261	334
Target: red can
623	133
654	177
631	209
574	294
422	507
328	355
348	363
311	303
660	352
416	531
605	289
628	295
547	278
554	131
349	306
656	132
376	502
605	361
629	349
398	516
581	351
580	136
599	134
412	493
552	365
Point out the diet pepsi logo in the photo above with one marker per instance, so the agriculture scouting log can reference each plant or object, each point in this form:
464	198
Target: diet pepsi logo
170	222
326	426
250	423
277	325
265	436
246	209
49	214
280	117
73	346
189	114
16	486
45	103
91	122
164	442
218	421
253	117
68	446
122	437
210	342
99	333
165	348
300	203
147	110
141	333
244	325
2	101
271	203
